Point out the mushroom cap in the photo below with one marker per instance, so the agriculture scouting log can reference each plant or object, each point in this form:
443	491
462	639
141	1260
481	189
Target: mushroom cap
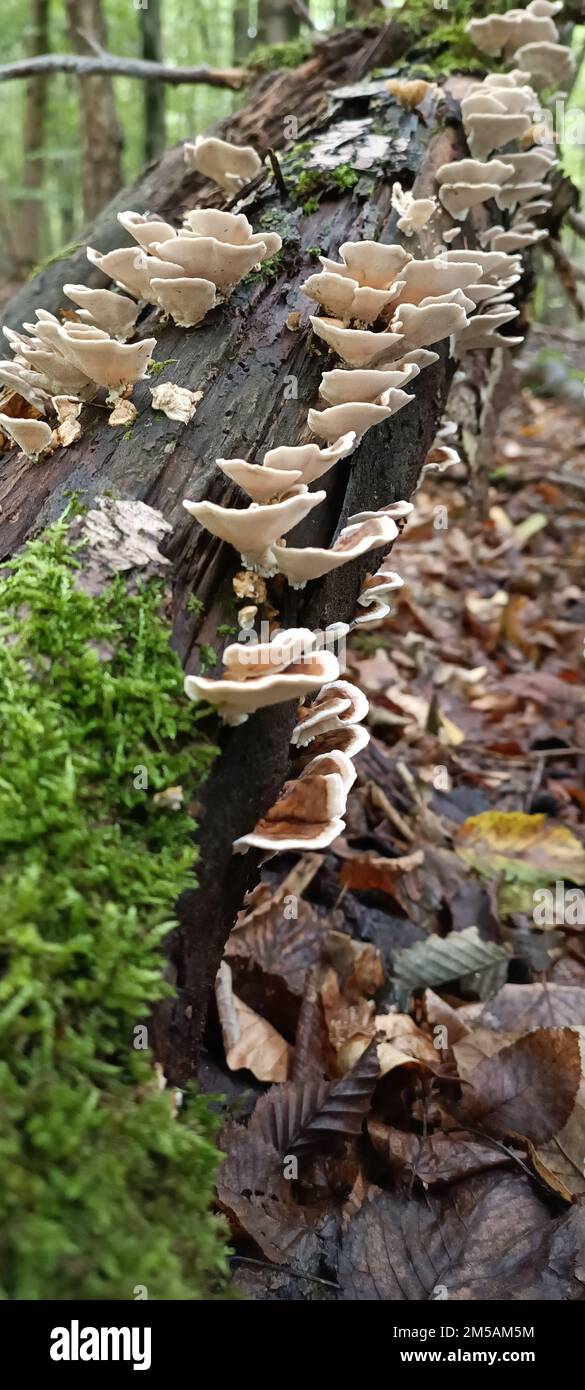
369	263
496	33
458	198
299	566
521	193
358	346
232	227
27	384
305	816
515	240
335	761
187	300
344	298
312	461
236	699
208	259
490	131
426	324
126	266
473	171
437	277
421	358
249	660
338	702
146	228
551	61
529	165
107	362
114	313
339	387
358	416
493	264
32	436
397	511
262	484
252	529
231	166
384	581
416	215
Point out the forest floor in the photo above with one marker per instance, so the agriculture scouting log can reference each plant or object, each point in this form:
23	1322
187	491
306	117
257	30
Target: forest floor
416	994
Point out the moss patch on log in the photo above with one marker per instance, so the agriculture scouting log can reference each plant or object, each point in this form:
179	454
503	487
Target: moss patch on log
103	1185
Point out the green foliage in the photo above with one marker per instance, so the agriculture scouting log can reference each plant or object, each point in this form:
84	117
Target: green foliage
344	176
270	57
101	1187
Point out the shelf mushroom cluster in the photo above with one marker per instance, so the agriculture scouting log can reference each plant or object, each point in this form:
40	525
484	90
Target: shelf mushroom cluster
530	37
308	813
503	109
57	365
185	272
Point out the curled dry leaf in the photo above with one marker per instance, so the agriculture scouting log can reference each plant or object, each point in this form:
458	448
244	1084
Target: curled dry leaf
249	1040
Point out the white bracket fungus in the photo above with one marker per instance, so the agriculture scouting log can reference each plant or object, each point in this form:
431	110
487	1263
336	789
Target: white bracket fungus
230	166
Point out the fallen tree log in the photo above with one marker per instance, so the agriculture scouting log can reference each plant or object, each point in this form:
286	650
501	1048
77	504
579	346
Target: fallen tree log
259	373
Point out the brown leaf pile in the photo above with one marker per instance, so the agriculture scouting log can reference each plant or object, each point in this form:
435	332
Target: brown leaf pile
402	1038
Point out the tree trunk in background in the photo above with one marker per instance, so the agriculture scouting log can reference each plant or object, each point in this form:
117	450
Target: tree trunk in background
241	24
154	92
100	132
277	21
29	245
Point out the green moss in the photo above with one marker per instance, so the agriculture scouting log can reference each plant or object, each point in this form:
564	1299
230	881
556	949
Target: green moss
268	269
208	658
155	368
344	176
102	1188
269	57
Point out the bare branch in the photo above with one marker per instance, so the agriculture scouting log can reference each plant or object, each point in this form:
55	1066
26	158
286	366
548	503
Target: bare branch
88	65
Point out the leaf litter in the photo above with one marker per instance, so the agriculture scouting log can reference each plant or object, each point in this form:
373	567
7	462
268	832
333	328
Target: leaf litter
400	1020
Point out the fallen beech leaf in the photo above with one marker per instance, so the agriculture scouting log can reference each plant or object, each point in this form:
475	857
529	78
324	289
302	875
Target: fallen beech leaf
298	1117
459	956
524	1007
486	1238
475	1046
560	1161
528	1089
527	850
257	1200
249	1041
438	1158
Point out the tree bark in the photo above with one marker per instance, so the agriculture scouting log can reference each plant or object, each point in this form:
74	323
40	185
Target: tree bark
101	136
31	221
154	92
244	357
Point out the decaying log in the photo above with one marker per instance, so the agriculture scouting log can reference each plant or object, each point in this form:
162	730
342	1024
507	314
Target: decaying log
259	378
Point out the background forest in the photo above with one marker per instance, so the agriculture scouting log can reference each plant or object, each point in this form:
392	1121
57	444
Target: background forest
69	145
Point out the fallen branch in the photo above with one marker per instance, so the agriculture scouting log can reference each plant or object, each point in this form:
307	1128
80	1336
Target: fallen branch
88	65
